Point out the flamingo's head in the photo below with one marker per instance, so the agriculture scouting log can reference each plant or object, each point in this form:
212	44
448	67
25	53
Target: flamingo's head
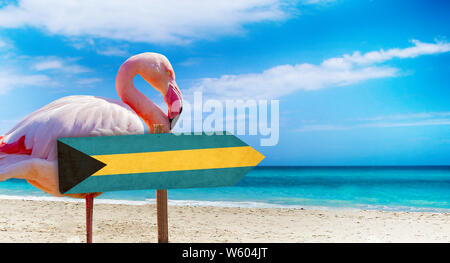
172	96
165	83
174	101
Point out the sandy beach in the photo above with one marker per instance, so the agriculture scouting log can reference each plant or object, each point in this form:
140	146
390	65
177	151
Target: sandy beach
51	221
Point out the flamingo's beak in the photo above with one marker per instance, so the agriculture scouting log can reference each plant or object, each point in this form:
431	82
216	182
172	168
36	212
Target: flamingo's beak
174	101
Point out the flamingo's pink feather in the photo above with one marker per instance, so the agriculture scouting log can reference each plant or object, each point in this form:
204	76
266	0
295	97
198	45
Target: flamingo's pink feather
17	147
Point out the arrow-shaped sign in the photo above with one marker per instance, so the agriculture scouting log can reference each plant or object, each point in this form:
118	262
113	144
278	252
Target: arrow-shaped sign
152	161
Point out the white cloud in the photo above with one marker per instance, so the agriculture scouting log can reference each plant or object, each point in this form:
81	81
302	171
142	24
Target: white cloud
12	74
189	62
326	127
158	21
113	51
418	49
101	47
46	65
6	45
58	64
322	127
317	2
339	71
10	80
43	72
56	75
431	122
420	115
283	80
88	81
398	120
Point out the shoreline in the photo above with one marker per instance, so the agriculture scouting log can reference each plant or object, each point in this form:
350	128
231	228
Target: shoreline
50	221
229	204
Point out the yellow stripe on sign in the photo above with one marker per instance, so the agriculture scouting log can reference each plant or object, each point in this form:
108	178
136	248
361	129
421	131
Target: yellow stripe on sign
166	161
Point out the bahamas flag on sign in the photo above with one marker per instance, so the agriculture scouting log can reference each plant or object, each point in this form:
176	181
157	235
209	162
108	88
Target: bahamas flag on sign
152	161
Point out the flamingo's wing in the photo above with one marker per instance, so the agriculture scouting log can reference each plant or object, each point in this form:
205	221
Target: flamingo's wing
28	150
73	116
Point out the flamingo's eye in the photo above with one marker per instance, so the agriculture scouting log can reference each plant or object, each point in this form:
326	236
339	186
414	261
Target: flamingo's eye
171	74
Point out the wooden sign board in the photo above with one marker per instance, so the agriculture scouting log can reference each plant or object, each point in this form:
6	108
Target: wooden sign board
152	161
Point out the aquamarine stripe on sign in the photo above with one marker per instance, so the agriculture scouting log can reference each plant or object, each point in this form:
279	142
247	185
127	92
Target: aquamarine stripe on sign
162	180
150	143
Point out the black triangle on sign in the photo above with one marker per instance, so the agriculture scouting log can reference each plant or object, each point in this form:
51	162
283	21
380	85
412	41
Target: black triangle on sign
74	166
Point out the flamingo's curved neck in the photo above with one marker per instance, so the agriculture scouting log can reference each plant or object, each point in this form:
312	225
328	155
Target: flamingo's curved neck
144	107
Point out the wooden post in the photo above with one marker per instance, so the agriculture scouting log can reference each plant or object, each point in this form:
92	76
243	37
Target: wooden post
89	216
161	214
161	205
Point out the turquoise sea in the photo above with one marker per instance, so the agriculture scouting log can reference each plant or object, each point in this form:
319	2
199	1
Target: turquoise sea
403	188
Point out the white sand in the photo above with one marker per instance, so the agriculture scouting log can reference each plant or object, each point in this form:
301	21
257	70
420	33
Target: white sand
48	221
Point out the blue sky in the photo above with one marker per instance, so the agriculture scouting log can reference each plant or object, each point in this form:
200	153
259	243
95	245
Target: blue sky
359	82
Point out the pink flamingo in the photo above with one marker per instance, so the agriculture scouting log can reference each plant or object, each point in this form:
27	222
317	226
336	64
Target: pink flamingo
28	151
